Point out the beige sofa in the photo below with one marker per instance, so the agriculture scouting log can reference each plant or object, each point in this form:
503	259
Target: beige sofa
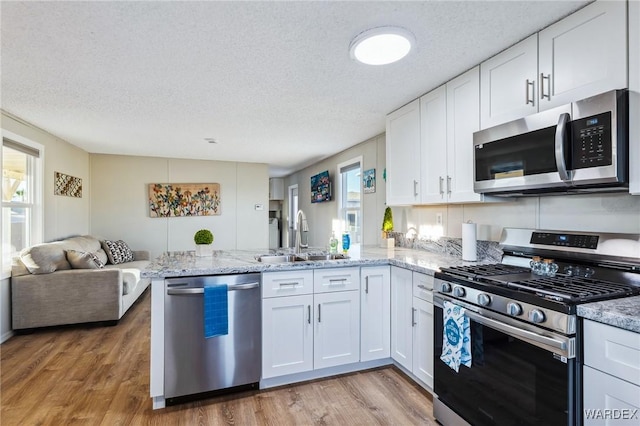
74	281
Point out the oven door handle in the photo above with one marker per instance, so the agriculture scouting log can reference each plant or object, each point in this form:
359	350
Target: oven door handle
517	332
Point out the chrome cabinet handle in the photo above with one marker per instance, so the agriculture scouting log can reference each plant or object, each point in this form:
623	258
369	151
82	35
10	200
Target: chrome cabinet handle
441	181
542	79
415	188
339	281
319	312
200	290
309	314
413	317
449	185
423	287
366	285
561	141
530	99
288	284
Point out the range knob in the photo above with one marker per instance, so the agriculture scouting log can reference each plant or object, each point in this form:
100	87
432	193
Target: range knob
514	309
484	299
458	291
536	316
445	288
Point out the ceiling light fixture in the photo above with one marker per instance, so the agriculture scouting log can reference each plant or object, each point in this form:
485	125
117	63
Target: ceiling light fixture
381	45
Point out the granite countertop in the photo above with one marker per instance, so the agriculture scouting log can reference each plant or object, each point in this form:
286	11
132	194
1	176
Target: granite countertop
186	263
622	313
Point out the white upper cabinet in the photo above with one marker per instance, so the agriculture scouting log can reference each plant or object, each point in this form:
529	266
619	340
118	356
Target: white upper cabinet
584	54
403	155
580	56
463	118
433	154
508	83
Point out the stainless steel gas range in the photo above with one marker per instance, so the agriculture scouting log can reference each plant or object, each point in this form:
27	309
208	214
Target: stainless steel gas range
524	337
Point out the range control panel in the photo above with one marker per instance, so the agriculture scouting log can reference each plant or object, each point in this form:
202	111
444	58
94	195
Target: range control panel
592	141
565	240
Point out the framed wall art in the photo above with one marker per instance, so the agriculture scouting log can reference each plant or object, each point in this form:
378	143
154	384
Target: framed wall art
369	181
66	185
184	199
320	187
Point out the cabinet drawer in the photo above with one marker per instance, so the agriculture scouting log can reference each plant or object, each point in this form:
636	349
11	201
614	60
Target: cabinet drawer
336	279
612	350
423	286
605	395
287	283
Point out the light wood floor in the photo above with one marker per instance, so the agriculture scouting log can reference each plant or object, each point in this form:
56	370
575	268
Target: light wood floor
88	375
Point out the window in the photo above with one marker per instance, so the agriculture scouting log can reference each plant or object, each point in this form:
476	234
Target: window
350	203
21	198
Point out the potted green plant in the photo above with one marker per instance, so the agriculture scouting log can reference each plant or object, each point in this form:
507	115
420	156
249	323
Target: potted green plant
203	239
387	228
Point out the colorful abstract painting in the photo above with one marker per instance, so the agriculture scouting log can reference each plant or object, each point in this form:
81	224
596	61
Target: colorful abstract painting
69	186
184	199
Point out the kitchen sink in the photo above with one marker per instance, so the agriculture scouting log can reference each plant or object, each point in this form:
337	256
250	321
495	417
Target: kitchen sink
290	258
279	258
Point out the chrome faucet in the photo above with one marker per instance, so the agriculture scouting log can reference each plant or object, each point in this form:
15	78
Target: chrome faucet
301	226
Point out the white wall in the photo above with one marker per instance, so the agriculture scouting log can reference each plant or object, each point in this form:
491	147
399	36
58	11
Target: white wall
62	216
321	215
119	205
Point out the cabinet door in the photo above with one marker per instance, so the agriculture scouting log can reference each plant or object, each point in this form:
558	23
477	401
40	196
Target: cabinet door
423	341
508	84
402	317
612	350
463	118
605	395
584	54
337	329
375	314
287	335
403	154
433	148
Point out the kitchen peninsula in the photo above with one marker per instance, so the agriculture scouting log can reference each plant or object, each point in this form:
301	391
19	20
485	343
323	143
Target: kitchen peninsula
420	263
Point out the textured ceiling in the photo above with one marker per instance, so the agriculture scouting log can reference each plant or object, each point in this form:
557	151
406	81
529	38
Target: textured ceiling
272	82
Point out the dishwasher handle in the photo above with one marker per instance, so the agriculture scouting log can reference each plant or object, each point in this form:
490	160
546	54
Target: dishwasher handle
200	290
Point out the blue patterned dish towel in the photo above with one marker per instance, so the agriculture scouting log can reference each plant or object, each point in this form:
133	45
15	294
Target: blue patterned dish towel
456	337
216	311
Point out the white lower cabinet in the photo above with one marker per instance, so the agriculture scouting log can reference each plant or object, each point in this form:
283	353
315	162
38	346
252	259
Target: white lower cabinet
611	375
412	322
305	331
287	335
375	313
336	337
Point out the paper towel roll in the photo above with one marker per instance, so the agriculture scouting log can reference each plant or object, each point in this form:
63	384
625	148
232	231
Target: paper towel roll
469	239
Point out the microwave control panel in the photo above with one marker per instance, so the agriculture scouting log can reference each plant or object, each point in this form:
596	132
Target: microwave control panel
591	141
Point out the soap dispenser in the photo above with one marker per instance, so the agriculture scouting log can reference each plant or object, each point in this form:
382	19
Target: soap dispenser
333	243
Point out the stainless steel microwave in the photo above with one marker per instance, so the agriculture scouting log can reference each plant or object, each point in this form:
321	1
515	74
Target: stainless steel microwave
575	148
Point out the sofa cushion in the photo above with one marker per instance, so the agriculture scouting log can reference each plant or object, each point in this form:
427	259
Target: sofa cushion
130	274
117	251
84	260
45	258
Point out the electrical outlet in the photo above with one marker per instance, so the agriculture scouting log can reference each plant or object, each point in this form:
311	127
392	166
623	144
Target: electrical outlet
438	218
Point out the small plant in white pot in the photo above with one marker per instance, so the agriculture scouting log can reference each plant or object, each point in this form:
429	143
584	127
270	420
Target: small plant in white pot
387	227
204	240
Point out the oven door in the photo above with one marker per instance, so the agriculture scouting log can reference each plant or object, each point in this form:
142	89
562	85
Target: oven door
517	376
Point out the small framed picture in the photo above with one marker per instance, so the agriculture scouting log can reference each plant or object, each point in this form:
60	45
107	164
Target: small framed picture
369	181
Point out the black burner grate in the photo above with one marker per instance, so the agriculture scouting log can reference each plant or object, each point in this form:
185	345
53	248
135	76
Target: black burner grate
485	270
574	289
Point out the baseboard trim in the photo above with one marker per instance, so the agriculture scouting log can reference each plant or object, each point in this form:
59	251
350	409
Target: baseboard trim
6	336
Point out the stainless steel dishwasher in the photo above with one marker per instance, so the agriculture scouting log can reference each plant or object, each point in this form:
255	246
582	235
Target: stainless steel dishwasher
194	364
